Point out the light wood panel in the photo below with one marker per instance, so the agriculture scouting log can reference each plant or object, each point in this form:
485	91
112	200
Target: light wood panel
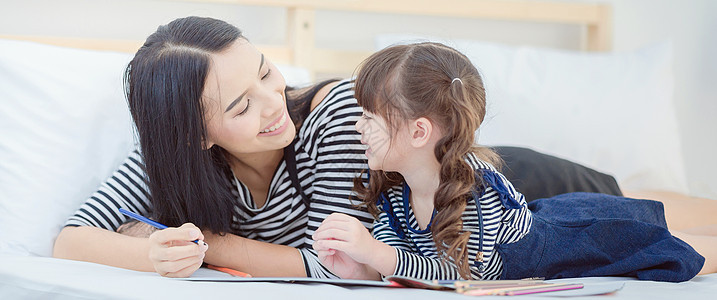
595	18
300	49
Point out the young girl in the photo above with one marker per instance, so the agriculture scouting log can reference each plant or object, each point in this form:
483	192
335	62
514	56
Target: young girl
444	212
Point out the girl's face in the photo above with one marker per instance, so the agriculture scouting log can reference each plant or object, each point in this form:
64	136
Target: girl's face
245	102
385	152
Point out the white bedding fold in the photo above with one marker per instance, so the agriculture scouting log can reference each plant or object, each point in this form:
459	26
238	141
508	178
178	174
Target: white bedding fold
23	277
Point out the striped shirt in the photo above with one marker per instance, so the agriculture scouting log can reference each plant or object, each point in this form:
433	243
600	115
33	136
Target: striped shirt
416	252
329	155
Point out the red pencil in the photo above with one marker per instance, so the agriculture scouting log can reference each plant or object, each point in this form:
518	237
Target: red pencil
544	289
229	271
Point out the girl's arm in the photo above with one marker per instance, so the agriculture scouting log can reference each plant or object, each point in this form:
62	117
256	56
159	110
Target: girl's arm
386	253
407	262
347	248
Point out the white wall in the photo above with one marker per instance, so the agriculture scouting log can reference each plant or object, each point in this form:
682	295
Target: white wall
690	25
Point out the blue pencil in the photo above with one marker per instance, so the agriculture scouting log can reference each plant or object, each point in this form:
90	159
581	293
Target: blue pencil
148	221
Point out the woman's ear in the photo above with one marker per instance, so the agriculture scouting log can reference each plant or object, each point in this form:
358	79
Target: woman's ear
421	130
206	145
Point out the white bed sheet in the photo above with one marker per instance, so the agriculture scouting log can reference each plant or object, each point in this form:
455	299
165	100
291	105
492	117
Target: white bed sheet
27	277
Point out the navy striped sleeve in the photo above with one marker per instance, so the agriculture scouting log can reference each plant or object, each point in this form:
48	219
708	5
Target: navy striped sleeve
408	263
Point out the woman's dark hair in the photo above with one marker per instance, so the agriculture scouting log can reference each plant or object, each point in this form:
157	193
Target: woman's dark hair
430	80
164	83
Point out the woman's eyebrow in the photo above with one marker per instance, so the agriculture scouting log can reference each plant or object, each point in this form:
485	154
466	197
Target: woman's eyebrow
261	63
236	101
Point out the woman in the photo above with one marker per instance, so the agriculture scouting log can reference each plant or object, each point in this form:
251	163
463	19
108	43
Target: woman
214	124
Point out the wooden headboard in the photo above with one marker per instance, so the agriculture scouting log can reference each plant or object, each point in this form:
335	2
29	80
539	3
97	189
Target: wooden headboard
300	49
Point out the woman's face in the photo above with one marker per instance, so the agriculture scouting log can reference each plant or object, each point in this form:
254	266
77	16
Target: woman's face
245	102
384	151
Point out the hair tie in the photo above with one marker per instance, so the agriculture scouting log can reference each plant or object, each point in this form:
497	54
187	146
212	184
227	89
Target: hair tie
454	80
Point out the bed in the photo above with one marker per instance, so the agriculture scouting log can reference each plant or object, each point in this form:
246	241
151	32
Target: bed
64	127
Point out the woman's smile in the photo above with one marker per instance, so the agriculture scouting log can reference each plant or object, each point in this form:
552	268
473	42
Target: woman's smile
277	127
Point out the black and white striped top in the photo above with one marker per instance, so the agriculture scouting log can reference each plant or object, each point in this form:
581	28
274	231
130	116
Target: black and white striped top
329	155
416	252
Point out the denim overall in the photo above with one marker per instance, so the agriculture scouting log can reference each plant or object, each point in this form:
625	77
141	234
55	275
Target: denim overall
589	234
586	235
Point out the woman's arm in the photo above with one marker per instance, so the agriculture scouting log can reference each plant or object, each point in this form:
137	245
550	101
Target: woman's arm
91	234
102	246
92	244
169	252
260	259
239	253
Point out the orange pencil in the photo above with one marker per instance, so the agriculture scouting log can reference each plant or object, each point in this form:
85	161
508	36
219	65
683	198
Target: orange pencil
228	271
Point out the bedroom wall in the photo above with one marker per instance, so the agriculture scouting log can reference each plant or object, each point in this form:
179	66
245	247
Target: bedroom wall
690	25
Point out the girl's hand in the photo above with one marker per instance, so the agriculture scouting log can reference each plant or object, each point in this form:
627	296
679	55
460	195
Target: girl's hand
345	234
173	253
343	265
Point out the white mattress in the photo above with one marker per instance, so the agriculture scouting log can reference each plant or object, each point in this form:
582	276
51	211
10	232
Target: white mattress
24	277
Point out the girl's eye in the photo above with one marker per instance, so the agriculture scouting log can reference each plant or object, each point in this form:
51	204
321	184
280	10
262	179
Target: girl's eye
248	103
365	117
266	75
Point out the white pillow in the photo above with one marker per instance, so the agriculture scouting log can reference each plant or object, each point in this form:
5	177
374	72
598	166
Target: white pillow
609	111
65	127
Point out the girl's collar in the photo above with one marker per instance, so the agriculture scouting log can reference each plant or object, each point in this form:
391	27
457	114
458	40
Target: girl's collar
407	208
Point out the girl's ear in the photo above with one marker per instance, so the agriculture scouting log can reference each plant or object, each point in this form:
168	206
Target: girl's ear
420	132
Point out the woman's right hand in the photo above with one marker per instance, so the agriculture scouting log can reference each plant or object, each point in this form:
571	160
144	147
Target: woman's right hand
173	252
